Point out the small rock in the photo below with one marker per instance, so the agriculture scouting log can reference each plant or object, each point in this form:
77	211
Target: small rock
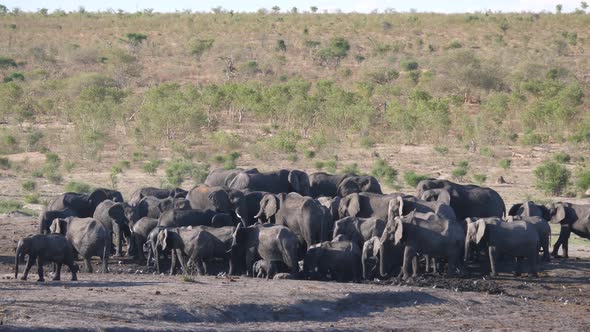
158	292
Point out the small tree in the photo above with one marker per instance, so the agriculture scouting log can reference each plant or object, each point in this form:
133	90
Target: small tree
3	10
552	177
281	46
198	47
558	8
134	40
314	9
276	9
584	5
294	10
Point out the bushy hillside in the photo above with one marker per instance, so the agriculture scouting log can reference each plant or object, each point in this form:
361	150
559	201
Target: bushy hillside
198	86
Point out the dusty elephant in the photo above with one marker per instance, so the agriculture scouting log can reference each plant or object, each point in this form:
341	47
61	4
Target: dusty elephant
45	248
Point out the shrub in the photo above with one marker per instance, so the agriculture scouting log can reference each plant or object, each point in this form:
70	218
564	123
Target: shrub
351	169
199	173
442	150
226	141
412	178
486	151
454	44
230	160
384	172
29	185
583	180
505	163
32	198
9	206
284	141
78	187
52	158
139	156
198	47
177	171
135	39
151	167
461	170
4	163
330	165
479	178
281	46
562	157
552	177
292	157
319	164
408	65
367	142
309	154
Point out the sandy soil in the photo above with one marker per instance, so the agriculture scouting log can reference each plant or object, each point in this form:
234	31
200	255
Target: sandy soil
131	297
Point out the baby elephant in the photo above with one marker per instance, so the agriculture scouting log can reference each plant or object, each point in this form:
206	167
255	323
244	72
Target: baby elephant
45	248
265	268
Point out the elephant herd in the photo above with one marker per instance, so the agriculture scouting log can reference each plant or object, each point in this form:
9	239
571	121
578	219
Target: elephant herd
288	224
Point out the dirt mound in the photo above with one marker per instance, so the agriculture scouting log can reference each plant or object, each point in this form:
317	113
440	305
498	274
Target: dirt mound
480	285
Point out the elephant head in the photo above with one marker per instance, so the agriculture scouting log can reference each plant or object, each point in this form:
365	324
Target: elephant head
117	212
395	208
168	238
370	254
332	205
557	212
97	197
428	184
269	206
368	183
237	257
23	248
178	193
476	232
391	239
436	195
350	206
239	205
299	182
348	186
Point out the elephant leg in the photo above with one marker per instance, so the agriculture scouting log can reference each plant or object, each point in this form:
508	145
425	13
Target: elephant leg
533	266
74	271
545	246
30	260
199	265
427	261
57	275
173	265
409	257
493	256
40	269
88	264
564	234
105	264
119	235
517	272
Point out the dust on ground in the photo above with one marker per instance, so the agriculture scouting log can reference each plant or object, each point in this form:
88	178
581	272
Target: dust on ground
131	297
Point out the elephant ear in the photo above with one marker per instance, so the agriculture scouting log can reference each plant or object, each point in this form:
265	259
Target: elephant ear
514	209
299	182
348	186
55	227
481	231
220	200
444	196
117	213
399	231
164	239
560	213
352	205
241	181
271	205
97	197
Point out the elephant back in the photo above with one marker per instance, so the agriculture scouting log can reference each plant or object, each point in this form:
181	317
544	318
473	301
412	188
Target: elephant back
87	234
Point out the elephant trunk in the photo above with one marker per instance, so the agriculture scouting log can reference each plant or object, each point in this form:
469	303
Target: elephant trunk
16	257
156	255
383	253
467	250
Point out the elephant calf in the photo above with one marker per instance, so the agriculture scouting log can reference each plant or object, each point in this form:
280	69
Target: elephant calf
45	248
339	260
265	268
543	229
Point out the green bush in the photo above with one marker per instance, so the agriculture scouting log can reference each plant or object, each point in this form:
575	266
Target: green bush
199	173
69	165
309	154
284	141
505	163
10	206
552	178
583	180
198	47
479	178
139	156
32	198
412	178
408	65
230	160
461	170
442	150
29	185
5	163
331	166
78	187
319	165
151	167
384	172
226	141
351	169
52	158
177	171
454	44
487	151
367	142
562	157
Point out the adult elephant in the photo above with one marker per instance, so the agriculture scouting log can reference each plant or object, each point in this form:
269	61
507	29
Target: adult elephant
572	218
426	234
518	239
366	205
281	181
140	193
153	207
181	217
466	200
341	260
113	195
88	236
82	204
253	199
301	214
272	243
220	199
115	217
328	185
223	177
359	230
139	235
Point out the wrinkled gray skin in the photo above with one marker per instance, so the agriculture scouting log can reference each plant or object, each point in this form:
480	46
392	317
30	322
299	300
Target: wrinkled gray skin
331	204
116	216
572	218
192	246
46	218
45	248
113	195
303	215
253	199
517	239
139	235
266	242
341	260
88	236
529	209
222	177
265	269
153	207
365	205
543	230
82	204
140	193
466	200
403	205
426	234
220	199
359	230
281	181
153	249
181	217
370	258
328	185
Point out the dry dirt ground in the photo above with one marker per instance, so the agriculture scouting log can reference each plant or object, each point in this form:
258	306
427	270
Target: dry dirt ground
130	297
